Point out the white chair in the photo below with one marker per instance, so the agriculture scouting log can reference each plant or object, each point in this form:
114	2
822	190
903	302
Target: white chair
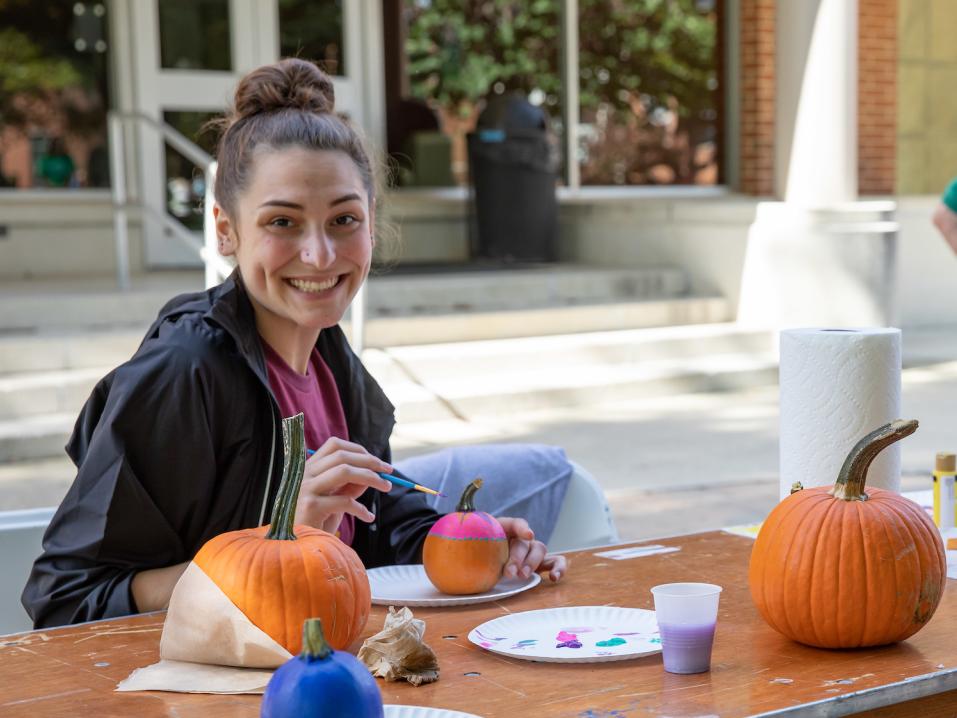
21	535
584	519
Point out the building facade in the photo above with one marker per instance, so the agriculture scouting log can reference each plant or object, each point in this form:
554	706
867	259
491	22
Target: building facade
673	123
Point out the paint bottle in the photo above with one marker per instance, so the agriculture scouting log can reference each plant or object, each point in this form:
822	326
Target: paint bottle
945	507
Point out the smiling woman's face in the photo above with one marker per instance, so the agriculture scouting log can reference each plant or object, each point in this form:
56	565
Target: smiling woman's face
302	237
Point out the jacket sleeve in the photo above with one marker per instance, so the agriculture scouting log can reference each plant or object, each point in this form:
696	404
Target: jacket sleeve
403	520
144	451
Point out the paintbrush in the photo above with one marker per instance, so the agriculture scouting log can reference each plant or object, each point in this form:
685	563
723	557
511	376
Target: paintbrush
399	481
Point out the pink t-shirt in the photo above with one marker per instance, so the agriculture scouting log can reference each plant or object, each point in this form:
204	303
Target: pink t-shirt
314	394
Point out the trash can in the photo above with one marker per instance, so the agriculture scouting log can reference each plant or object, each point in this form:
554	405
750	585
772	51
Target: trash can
512	170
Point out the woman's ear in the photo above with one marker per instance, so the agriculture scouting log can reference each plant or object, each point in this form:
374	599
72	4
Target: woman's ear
225	232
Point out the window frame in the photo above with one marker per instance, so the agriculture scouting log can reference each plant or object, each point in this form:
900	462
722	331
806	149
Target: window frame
727	68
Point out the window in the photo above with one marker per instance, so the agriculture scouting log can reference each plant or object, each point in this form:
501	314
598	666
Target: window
451	57
649	109
53	94
185	182
312	30
648	89
194	35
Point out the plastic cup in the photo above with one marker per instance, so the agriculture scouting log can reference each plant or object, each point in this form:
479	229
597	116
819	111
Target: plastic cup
687	614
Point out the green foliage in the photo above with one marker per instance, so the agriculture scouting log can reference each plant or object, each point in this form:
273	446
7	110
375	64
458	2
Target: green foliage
458	49
659	48
25	69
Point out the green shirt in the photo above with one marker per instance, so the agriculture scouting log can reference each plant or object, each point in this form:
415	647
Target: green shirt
949	197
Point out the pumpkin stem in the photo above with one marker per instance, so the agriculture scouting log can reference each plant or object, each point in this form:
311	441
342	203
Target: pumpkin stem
314	645
293	464
467	502
850	482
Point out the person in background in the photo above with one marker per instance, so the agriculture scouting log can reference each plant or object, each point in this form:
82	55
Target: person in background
56	166
183	441
945	215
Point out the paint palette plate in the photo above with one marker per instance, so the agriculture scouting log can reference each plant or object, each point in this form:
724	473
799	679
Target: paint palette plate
423	712
574	634
409	586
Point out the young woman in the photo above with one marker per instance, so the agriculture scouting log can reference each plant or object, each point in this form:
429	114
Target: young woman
183	441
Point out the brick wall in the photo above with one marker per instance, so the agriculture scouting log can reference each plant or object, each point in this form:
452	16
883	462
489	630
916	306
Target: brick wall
757	97
876	96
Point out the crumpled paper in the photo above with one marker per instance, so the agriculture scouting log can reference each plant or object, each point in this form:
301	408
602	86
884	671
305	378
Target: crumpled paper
397	652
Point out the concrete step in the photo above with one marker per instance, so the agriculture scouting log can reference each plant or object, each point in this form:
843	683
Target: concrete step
34	437
462	326
31	306
473	379
501	394
47	392
402	293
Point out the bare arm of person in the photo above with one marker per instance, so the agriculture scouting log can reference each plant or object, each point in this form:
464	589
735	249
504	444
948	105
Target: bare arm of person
153	588
945	219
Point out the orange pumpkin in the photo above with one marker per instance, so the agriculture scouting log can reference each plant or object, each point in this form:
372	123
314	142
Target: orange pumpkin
843	567
279	576
465	551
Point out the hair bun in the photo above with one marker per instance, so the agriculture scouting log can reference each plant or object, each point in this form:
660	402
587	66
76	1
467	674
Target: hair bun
289	84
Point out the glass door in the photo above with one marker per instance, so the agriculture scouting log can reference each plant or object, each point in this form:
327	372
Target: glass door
186	57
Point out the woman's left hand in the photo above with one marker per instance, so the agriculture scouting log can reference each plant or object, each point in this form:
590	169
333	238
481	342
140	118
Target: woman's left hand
525	554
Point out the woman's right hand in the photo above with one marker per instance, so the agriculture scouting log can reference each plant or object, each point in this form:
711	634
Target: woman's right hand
335	477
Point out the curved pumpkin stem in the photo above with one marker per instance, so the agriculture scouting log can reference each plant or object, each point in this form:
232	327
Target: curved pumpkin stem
314	645
850	482
294	463
467	502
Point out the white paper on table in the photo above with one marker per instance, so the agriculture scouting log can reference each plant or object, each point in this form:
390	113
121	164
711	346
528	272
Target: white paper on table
620	554
747	530
208	645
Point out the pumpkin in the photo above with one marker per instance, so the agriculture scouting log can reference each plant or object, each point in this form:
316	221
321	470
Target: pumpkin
321	683
279	575
846	567
465	551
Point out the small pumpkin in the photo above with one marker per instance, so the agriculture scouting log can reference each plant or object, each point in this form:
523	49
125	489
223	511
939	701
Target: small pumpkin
279	575
465	551
321	683
846	567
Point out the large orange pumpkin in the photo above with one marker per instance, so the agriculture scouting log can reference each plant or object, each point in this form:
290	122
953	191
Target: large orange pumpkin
279	576
846	567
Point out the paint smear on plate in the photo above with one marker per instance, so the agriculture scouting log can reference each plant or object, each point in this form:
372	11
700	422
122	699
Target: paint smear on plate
611	642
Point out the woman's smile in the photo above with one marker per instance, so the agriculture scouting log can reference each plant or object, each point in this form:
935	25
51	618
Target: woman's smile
314	286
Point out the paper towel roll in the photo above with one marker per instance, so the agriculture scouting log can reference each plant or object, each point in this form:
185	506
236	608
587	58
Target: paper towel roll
837	385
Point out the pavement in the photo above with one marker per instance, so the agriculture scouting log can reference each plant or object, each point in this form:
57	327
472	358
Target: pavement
668	464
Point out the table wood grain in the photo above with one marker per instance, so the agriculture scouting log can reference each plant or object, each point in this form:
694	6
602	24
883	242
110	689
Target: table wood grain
755	671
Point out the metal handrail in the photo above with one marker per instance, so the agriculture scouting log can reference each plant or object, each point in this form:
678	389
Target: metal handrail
216	266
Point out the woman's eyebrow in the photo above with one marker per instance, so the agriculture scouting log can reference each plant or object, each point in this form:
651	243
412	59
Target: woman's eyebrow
280	203
345	198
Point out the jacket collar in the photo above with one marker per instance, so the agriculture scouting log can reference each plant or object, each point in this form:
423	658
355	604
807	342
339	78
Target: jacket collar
369	413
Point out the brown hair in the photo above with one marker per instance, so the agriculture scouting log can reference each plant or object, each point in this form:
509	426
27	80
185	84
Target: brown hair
287	103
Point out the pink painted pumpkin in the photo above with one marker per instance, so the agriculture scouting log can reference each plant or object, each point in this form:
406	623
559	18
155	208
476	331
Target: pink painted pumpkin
465	551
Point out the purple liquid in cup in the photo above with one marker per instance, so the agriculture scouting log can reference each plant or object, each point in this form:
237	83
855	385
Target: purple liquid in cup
687	649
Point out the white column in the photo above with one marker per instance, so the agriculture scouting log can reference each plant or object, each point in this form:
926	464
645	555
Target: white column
819	257
816	102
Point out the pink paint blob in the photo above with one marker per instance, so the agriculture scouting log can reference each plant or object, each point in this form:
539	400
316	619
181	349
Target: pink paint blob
469	525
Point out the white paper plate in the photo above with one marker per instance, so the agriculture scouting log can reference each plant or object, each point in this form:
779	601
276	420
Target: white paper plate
423	712
409	586
572	635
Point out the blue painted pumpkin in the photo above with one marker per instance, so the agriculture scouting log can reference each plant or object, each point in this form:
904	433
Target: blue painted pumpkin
321	683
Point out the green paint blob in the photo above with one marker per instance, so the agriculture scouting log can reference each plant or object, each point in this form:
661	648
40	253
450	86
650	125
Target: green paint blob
611	642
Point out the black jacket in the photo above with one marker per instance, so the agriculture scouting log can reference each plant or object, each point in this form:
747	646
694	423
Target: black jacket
184	442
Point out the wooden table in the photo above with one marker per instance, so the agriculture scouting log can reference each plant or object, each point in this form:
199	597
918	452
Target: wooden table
755	671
